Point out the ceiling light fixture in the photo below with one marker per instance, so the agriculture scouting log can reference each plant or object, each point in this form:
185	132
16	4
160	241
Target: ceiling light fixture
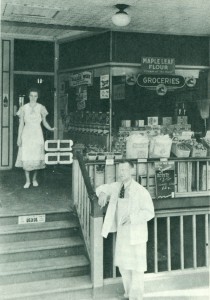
121	18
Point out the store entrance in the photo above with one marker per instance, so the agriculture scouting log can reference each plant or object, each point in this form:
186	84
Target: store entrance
45	85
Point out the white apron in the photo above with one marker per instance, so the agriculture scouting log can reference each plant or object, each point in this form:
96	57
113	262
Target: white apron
128	257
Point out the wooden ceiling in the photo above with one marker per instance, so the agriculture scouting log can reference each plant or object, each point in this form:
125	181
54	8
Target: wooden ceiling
57	19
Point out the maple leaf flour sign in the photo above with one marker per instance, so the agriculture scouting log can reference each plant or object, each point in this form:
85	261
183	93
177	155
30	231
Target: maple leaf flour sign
158	65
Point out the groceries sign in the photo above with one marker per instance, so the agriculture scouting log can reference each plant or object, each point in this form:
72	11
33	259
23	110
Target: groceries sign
170	81
160	83
158	65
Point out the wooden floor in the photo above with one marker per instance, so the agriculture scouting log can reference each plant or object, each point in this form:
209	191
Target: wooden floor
52	195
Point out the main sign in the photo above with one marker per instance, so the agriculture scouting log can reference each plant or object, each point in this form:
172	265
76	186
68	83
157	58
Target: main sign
152	81
158	65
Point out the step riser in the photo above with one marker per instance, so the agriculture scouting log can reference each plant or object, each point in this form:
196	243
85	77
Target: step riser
72	295
50	217
46	253
44	275
38	235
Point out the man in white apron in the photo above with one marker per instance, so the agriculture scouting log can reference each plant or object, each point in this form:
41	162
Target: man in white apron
130	208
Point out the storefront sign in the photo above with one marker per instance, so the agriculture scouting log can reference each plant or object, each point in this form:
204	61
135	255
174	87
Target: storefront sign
131	79
190	81
104	86
85	77
81	93
104	94
104	81
81	105
152	81
161	90
158	65
165	179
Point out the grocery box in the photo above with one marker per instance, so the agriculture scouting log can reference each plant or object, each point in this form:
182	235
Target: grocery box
139	123
167	120
197	149
101	155
92	156
187	127
137	146
152	121
180	150
206	143
118	155
160	147
181	120
198	152
126	123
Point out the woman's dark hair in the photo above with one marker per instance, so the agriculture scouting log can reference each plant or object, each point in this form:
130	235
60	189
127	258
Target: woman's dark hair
33	90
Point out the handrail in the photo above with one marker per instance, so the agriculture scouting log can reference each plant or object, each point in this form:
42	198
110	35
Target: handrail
192	175
90	218
150	160
95	208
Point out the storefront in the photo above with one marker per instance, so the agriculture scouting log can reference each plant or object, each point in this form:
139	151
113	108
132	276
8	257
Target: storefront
145	101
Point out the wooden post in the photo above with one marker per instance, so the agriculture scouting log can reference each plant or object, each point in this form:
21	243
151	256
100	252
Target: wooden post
75	170
96	251
56	64
96	242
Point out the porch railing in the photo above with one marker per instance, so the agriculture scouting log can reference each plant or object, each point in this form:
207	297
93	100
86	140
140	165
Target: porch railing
90	217
178	240
178	237
192	176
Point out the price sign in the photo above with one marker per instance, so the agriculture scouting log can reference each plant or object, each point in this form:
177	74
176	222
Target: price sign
109	161
31	219
186	135
165	179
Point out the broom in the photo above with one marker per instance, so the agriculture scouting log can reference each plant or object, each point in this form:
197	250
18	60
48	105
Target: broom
203	106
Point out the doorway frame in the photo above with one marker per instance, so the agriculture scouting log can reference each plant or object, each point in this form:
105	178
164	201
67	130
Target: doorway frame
9	147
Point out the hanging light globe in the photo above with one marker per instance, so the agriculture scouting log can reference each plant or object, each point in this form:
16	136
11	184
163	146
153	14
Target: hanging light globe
121	18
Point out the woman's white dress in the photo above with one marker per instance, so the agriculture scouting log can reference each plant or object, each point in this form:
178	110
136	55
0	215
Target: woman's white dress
31	152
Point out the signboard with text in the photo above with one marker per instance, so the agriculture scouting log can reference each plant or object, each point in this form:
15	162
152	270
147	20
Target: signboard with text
85	77
152	81
158	65
165	179
104	86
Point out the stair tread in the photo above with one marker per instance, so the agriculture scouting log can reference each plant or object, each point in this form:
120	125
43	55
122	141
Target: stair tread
31	266
22	228
35	245
4	213
44	286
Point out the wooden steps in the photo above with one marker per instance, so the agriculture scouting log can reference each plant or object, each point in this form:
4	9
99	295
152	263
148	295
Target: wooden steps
49	289
33	257
48	230
40	269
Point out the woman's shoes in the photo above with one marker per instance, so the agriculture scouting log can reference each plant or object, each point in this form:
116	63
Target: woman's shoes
27	184
35	183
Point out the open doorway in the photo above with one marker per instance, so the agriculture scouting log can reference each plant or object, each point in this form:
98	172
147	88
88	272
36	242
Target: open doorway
45	85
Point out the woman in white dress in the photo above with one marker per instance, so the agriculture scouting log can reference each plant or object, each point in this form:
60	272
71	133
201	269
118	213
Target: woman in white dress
30	137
